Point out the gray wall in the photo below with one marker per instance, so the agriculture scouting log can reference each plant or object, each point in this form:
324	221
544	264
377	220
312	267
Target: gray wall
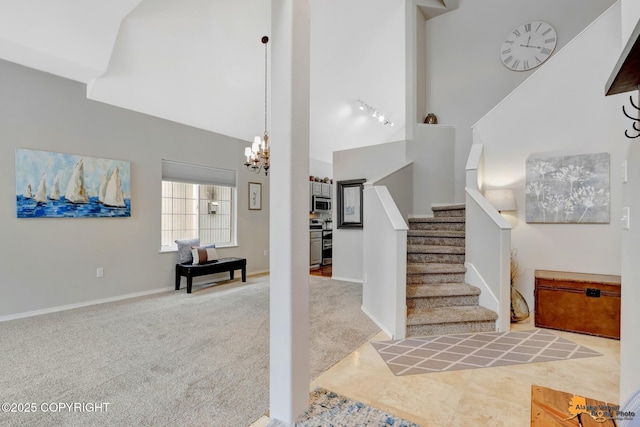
47	263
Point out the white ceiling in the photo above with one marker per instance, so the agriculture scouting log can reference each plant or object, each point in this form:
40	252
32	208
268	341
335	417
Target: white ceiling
201	62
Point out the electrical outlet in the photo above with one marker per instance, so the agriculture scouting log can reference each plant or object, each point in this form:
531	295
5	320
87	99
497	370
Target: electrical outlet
99	272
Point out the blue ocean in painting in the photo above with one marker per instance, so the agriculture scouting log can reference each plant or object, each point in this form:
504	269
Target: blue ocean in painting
29	208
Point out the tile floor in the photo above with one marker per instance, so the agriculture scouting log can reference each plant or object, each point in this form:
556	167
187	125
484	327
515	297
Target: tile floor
498	396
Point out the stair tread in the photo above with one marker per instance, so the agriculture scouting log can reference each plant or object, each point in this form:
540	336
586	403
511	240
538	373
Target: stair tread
434	249
457	314
447	219
447	206
434	268
441	290
435	233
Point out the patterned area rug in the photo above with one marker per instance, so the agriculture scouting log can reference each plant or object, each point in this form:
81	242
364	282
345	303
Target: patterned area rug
441	353
329	409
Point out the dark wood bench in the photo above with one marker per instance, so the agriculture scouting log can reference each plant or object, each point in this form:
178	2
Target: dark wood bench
224	264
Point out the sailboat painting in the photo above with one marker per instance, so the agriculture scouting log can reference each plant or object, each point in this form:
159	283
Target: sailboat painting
71	186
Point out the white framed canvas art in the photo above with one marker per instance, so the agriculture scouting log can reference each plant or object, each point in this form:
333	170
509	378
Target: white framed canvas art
568	189
57	185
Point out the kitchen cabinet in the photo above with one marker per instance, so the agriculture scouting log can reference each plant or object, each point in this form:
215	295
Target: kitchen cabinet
326	190
320	189
316	188
316	247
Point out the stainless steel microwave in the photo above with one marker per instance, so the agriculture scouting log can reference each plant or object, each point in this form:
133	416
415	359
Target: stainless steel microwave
321	204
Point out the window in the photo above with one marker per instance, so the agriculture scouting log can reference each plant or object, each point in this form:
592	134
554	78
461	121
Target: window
197	202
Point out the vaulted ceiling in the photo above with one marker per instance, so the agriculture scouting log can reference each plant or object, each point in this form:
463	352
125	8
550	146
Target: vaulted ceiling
201	62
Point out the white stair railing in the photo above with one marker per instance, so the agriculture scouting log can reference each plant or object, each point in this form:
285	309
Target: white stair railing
385	253
487	245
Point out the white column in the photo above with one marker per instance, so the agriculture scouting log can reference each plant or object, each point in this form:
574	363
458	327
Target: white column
289	216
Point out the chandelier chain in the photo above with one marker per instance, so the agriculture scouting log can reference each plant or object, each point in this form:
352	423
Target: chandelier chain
265	87
258	153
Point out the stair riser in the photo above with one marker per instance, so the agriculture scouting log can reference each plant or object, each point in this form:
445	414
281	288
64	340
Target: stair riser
450	301
453	212
416	279
454	226
450	328
438	241
439	258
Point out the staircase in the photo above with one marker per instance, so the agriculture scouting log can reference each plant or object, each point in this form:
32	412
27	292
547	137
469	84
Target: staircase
438	300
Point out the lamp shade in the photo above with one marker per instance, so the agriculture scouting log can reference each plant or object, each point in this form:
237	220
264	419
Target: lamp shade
501	199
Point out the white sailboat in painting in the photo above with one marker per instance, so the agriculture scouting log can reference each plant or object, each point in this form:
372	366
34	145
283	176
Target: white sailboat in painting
55	188
27	192
76	192
103	187
41	192
113	195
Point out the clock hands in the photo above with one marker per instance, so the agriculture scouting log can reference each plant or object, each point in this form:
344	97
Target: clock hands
535	47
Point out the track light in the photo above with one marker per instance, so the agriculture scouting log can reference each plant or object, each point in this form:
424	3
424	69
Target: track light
382	118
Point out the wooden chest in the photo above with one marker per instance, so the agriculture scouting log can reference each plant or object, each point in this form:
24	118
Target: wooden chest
578	302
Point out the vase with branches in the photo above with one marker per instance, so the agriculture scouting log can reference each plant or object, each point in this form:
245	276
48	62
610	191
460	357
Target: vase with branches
519	306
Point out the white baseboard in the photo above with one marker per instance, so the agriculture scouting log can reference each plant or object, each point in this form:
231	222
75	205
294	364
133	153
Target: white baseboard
112	299
82	304
343	279
385	330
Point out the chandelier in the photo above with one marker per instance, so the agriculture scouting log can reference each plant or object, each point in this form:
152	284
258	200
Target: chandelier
258	154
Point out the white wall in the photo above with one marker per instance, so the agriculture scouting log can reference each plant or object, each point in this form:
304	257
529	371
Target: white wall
365	162
399	184
320	169
561	111
48	263
630	15
630	316
197	62
465	77
357	52
432	150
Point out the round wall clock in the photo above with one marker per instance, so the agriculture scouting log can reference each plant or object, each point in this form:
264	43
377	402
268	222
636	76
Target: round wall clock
528	46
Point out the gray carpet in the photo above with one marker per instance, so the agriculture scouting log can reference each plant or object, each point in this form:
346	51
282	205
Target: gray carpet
168	359
330	409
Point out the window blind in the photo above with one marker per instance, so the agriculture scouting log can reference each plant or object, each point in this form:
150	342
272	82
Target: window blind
197	174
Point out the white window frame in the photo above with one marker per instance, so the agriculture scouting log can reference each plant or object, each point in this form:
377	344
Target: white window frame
201	175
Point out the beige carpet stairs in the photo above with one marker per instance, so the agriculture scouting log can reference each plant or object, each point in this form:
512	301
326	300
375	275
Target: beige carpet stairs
438	299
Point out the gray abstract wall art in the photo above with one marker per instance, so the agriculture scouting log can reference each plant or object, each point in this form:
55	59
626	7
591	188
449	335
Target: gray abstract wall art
568	189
